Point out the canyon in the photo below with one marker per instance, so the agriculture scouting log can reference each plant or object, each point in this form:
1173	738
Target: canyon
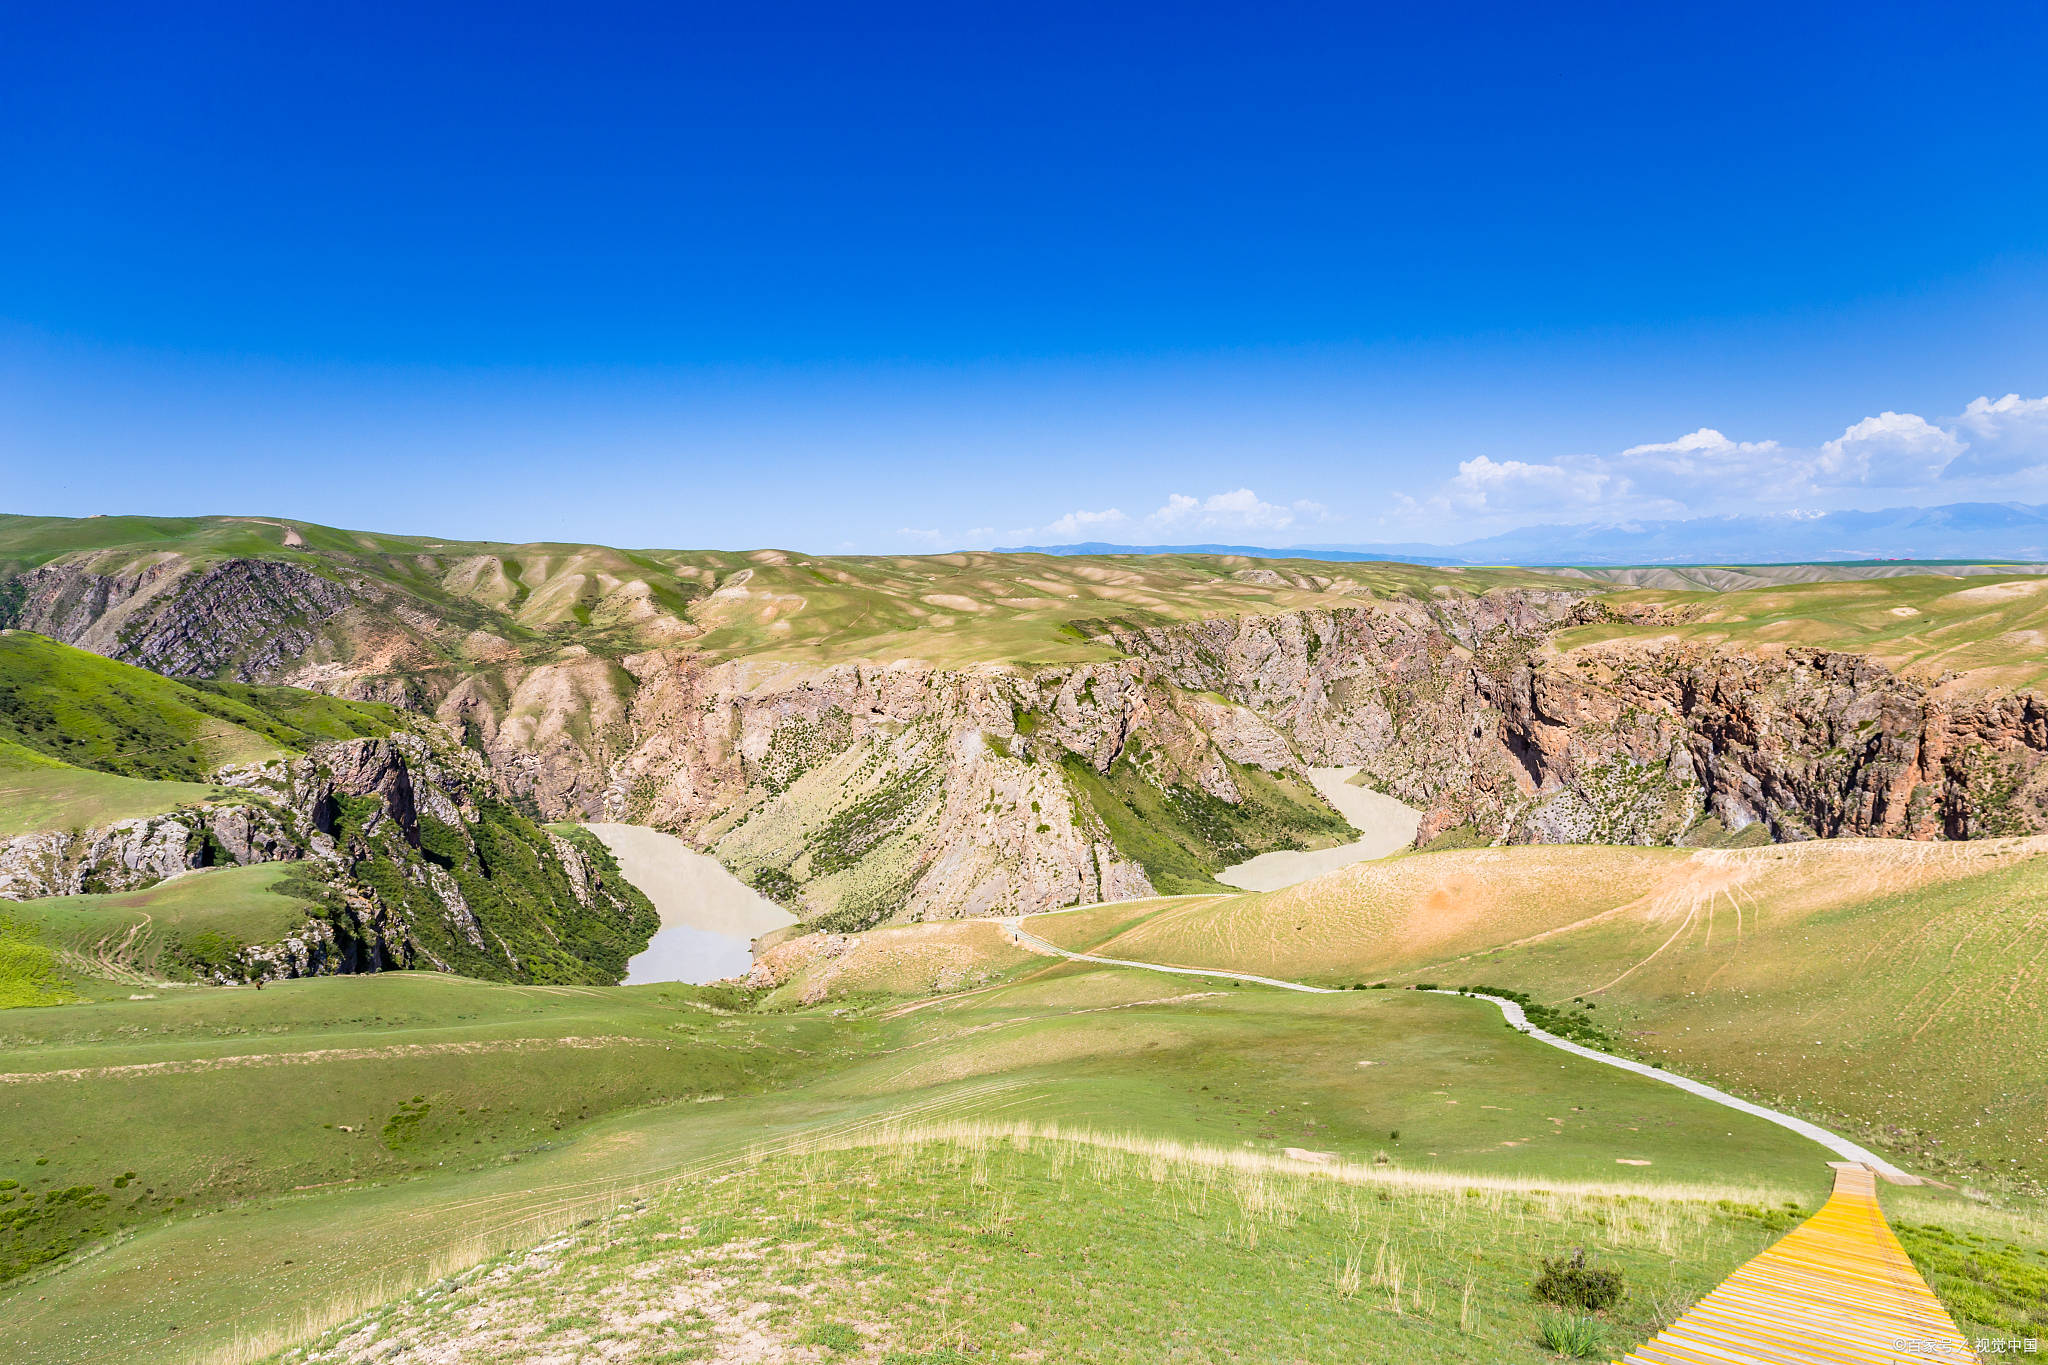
969	774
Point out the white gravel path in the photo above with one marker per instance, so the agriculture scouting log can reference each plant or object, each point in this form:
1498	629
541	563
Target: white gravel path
1841	1146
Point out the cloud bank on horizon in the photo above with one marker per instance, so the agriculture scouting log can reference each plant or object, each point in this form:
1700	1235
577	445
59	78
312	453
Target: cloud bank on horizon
1993	450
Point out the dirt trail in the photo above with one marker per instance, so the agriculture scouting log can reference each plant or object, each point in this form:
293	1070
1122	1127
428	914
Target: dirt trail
1520	1021
312	1056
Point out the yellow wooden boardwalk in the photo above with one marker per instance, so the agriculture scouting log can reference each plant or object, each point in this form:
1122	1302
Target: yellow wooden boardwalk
1836	1290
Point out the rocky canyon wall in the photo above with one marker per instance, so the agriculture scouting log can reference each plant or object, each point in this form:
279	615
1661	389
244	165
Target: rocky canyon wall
865	791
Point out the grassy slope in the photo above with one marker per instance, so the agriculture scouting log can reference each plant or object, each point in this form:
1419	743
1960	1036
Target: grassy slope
30	973
40	793
1179	835
1904	1004
893	961
1374	918
94	713
486	1164
983	1248
1898	992
1992	631
90	712
112	944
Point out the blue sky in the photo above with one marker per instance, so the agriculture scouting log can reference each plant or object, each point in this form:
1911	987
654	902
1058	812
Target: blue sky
885	278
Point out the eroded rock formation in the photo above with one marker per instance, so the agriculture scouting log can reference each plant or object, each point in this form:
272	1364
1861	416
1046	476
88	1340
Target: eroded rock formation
862	791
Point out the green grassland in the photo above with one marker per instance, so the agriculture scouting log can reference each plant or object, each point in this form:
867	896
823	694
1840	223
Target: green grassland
90	712
248	1170
1990	630
1895	992
1912	1016
40	793
325	1133
956	1247
173	932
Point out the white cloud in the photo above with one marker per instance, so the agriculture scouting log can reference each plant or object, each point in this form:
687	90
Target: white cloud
1238	510
1992	448
1182	515
1996	443
1705	441
1084	525
1890	450
1667	476
2007	436
1484	484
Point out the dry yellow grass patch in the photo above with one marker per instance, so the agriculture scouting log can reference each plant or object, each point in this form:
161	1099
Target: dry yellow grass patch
904	959
1379	916
1406	914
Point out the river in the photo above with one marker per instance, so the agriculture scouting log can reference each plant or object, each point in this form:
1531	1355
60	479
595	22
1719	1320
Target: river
1387	825
709	918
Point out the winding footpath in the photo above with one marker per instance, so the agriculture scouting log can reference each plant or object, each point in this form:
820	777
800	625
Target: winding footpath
1840	1146
1836	1290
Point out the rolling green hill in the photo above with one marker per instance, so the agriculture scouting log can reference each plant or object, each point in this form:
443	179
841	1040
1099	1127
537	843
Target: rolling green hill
91	712
394	1122
86	741
107	946
40	793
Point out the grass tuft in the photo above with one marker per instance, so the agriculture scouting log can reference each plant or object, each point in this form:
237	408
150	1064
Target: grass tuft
1575	1338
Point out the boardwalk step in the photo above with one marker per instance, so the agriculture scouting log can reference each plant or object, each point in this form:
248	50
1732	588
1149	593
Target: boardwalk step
1836	1290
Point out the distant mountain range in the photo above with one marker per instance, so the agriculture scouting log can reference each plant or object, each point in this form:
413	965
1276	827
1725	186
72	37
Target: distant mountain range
1962	530
1338	554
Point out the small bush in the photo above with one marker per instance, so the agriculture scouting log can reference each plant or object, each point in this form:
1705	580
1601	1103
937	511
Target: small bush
1577	1338
1569	1282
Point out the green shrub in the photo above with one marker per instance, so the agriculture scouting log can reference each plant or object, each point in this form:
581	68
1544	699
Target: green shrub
1563	1023
1570	1283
